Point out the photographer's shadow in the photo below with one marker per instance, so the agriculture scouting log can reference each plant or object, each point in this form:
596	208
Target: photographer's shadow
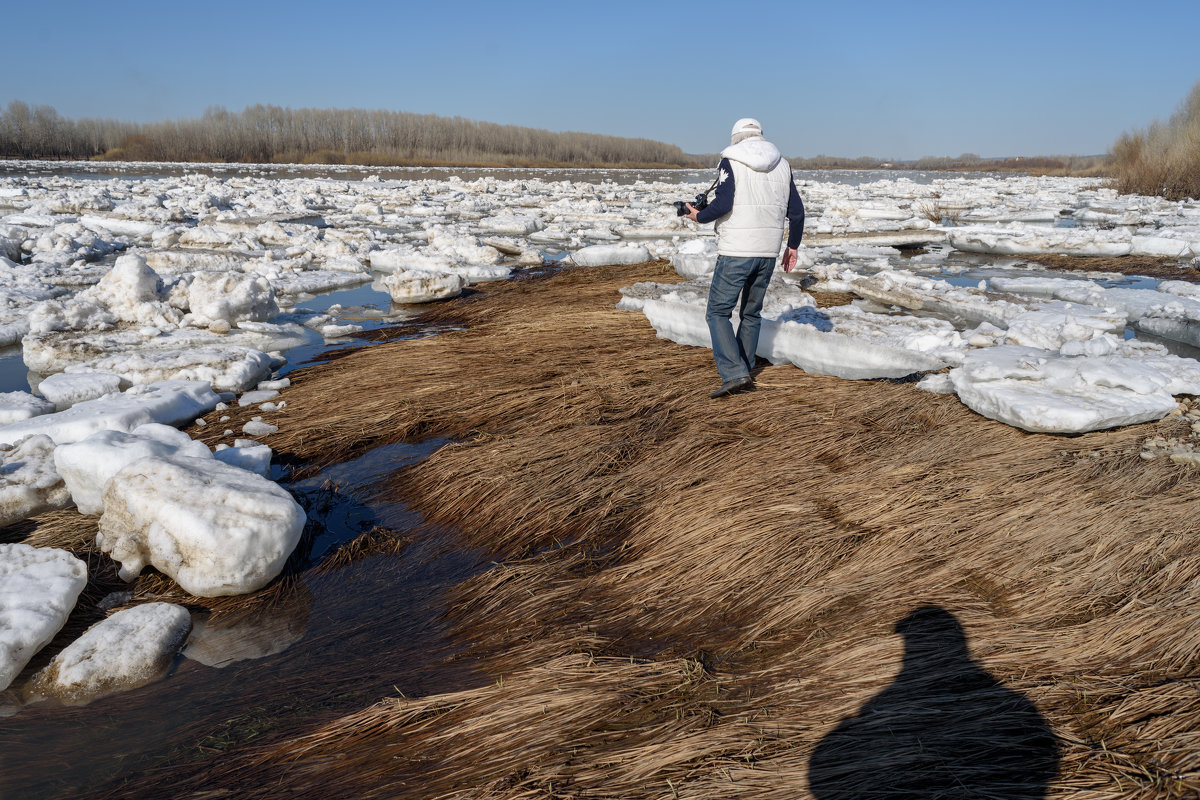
944	728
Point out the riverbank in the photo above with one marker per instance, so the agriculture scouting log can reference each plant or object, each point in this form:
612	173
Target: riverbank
690	598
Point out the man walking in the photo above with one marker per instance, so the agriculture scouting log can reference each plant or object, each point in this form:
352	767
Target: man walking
755	194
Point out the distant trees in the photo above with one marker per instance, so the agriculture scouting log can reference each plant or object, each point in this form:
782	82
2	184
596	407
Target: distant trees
264	133
39	132
1163	159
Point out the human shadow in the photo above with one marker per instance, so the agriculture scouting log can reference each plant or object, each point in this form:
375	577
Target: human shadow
944	728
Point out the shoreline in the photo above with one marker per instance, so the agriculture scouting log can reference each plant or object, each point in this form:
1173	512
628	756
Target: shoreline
648	625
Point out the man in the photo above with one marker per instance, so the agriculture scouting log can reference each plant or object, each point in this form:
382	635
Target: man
755	194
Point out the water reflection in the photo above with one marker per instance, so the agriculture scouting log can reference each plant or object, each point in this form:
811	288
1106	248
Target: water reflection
219	640
326	641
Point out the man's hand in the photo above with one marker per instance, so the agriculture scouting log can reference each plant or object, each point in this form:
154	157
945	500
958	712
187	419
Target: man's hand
692	212
789	259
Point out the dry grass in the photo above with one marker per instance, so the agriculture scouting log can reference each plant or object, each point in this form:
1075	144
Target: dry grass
937	212
1151	266
690	596
1163	159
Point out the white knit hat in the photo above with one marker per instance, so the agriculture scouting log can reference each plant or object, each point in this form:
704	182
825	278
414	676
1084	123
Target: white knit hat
744	128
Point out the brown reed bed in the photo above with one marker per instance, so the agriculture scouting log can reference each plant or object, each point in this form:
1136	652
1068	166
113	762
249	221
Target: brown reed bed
822	588
1174	269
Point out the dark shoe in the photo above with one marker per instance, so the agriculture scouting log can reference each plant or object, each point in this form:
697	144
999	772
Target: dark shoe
735	385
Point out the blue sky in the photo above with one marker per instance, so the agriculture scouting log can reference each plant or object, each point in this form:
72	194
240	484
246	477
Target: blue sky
888	79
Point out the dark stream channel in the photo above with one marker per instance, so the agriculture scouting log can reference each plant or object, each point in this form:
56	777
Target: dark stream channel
335	641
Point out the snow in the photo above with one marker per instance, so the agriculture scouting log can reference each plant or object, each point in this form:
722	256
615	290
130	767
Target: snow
17	406
247	454
87	466
257	396
29	480
845	342
1043	391
215	528
196	276
38	590
228	368
65	390
256	427
168	402
606	254
420	286
221	297
133	647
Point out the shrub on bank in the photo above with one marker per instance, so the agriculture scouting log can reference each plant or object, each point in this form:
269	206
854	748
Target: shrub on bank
1163	159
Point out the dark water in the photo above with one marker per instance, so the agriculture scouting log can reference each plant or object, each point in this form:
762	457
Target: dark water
333	642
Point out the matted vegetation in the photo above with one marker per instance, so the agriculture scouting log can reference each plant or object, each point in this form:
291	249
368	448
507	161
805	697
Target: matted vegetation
694	598
1163	159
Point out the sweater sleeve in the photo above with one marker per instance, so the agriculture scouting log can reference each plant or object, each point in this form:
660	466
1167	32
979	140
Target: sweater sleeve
795	216
722	202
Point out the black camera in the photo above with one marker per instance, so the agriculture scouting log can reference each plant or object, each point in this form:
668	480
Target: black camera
699	204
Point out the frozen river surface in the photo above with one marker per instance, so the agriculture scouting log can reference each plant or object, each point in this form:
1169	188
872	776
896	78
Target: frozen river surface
136	298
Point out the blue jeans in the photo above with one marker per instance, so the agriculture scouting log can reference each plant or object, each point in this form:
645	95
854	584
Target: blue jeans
734	276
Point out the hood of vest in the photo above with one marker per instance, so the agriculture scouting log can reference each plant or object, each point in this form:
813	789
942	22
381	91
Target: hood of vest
758	154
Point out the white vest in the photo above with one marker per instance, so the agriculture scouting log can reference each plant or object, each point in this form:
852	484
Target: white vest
761	187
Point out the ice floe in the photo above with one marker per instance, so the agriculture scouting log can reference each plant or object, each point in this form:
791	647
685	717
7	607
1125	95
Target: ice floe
87	466
38	590
29	480
168	402
133	647
216	529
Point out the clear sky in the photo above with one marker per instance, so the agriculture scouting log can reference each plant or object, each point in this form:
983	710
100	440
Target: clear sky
890	79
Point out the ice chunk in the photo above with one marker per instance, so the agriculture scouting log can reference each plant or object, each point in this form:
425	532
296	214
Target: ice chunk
1044	391
227	368
132	648
1050	327
133	292
29	482
695	258
169	402
65	390
615	254
511	224
937	383
399	259
16	406
1021	240
418	286
215	528
257	396
256	427
338	331
248	454
87	466
38	589
465	249
229	298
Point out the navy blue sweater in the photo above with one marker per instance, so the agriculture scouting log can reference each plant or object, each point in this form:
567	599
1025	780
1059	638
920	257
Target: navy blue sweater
722	204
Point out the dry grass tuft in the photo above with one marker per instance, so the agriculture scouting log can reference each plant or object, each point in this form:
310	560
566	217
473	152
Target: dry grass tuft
1151	266
377	541
693	598
1163	159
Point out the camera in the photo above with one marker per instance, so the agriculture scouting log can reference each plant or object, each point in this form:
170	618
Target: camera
700	203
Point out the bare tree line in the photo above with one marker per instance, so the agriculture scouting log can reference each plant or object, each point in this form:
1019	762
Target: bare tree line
264	133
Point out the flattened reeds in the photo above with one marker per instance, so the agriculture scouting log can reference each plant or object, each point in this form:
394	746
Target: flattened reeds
695	598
